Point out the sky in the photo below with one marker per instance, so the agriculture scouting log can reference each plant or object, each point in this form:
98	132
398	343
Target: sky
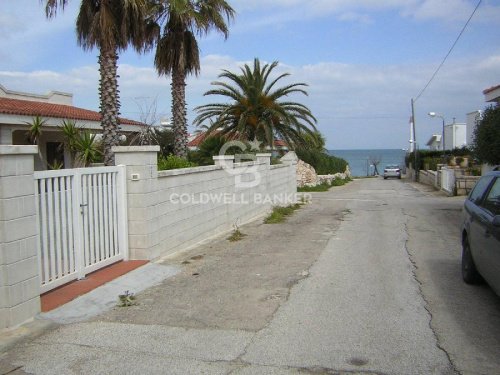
363	62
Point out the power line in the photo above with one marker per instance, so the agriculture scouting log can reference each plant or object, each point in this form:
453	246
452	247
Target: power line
449	52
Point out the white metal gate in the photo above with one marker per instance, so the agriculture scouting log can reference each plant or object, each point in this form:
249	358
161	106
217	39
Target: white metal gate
82	220
448	180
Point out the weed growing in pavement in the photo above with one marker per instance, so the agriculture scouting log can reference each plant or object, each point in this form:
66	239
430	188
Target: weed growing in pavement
279	214
126	299
236	235
308	189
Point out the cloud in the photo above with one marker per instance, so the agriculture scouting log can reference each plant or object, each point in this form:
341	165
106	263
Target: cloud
356	105
284	11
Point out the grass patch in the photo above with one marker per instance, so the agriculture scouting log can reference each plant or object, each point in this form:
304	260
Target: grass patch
325	186
340	181
279	214
236	236
317	188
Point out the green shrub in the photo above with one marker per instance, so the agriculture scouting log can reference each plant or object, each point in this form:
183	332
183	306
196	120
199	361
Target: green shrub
321	161
426	156
210	147
486	137
174	162
340	181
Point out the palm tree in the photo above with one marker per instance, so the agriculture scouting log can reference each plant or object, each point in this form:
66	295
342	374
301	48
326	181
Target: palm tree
35	129
110	25
177	52
255	110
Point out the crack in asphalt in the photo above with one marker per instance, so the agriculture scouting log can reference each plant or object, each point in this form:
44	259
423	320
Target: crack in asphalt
419	283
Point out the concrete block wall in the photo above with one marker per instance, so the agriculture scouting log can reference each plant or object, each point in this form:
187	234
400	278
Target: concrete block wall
19	280
171	210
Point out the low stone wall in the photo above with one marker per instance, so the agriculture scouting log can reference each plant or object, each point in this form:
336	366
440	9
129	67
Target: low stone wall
464	184
455	182
307	176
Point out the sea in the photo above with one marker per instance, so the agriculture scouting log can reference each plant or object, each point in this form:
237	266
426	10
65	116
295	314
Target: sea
359	160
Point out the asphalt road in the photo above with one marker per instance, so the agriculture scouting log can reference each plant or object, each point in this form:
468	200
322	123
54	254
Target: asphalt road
363	280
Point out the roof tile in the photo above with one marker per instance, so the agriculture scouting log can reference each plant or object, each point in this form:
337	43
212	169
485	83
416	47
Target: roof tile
33	108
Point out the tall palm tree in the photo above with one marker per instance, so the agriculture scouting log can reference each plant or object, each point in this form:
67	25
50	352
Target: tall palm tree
177	52
256	110
111	26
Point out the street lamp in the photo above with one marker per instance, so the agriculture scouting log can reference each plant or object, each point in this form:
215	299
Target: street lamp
434	114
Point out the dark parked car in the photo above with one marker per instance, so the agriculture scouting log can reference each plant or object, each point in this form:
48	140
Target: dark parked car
481	233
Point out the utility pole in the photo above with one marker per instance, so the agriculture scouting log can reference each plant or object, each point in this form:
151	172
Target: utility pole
415	178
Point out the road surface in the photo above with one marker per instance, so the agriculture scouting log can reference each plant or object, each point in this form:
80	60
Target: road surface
363	280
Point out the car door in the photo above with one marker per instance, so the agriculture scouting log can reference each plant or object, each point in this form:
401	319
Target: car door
490	235
475	218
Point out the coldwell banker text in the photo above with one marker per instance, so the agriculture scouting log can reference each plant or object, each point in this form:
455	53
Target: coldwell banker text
226	198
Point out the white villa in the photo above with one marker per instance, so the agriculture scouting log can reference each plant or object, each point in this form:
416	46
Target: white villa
17	110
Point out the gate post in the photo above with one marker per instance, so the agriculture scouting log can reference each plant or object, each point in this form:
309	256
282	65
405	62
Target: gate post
19	281
142	184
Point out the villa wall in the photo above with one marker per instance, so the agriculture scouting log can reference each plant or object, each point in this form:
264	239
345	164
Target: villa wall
171	210
19	281
168	211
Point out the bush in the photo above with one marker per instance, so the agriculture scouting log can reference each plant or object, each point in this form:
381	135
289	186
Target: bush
340	181
322	162
435	157
210	147
486	144
173	162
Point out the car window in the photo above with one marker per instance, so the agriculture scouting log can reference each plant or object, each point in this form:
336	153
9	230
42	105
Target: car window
492	200
477	193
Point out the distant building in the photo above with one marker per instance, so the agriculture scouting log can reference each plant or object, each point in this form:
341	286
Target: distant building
473	118
455	135
434	143
492	94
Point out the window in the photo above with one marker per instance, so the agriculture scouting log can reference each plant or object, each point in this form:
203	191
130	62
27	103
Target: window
477	193
492	201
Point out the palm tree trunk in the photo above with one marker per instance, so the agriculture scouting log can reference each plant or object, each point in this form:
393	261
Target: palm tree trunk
109	101
179	121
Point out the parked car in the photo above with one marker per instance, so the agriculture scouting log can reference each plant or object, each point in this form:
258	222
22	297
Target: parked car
481	232
392	171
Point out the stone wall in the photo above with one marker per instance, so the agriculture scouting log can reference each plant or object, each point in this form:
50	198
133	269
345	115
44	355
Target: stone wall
307	176
464	184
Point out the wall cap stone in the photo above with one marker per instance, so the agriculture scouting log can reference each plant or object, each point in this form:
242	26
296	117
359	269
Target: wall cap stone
119	149
18	149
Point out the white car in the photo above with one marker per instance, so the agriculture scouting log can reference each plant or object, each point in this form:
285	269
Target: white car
392	171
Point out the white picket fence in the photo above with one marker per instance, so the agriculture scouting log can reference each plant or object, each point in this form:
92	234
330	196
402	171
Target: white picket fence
82	219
